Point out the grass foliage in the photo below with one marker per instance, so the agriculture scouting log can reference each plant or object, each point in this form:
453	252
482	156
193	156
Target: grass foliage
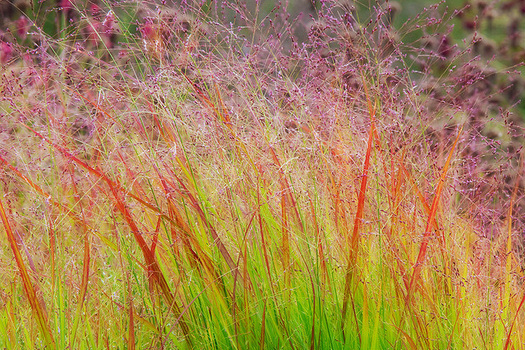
217	176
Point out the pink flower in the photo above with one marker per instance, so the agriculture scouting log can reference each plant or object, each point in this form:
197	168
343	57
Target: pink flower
6	52
22	27
66	4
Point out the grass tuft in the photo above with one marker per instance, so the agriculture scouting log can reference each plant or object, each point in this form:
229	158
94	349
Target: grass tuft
229	175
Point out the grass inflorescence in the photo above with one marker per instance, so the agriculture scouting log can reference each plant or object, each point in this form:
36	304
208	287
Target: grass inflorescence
227	176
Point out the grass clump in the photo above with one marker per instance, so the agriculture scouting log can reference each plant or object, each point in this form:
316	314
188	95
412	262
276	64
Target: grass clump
198	177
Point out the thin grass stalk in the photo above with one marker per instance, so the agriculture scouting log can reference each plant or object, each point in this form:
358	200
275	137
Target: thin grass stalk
314	300
263	328
52	252
509	254
26	281
243	255
69	211
430	221
85	273
339	210
325	278
131	326
354	243
222	114
191	244
213	233
264	245
154	273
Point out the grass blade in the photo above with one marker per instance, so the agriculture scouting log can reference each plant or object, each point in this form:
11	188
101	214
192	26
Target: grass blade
28	286
154	272
354	243
430	221
509	253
